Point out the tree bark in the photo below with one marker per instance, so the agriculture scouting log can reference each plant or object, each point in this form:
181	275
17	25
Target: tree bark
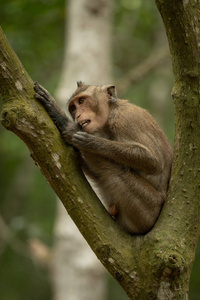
157	265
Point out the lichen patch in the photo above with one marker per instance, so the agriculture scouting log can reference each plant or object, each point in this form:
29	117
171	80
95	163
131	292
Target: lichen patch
3	66
18	85
80	200
56	158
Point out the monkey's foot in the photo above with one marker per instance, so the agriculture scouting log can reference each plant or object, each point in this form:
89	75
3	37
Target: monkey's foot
113	210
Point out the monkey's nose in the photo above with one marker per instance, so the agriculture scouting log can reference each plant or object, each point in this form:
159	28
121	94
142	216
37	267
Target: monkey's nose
78	116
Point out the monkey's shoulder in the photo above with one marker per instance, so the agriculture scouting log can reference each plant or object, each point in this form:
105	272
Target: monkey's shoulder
127	108
130	122
128	115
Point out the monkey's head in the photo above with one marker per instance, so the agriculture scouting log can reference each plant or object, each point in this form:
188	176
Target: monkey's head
90	106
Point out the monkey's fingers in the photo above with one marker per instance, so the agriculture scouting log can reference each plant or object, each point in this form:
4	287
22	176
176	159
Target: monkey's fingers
42	94
41	99
82	140
38	88
80	135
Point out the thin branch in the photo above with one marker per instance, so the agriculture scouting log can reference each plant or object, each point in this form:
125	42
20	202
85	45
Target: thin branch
35	250
139	72
8	238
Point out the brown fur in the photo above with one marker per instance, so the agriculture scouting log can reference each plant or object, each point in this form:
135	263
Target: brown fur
122	149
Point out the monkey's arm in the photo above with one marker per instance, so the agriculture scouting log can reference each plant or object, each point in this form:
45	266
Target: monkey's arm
134	155
66	127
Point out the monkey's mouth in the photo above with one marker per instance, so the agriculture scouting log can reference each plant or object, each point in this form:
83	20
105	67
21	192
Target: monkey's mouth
84	123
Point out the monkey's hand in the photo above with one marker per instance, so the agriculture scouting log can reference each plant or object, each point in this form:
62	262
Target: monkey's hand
83	140
58	117
66	127
43	95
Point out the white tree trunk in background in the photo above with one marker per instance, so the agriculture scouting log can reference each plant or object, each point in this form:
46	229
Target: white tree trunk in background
77	274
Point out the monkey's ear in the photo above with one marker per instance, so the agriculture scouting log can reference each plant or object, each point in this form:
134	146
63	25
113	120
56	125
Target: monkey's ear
112	93
80	84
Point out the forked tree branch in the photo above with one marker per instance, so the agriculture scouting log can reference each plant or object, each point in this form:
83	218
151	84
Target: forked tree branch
153	266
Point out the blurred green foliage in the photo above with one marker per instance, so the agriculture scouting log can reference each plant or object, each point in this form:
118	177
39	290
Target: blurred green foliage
35	30
135	24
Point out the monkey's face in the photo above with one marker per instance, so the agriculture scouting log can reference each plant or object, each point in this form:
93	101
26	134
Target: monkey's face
90	110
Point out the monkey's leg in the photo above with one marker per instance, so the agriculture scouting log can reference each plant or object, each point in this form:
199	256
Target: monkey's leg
139	203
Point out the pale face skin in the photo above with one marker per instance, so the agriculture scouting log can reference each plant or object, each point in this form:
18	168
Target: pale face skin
87	113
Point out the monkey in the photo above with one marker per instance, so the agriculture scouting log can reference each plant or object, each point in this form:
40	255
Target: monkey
121	148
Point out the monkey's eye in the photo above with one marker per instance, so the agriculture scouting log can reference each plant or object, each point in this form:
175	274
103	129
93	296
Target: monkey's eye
72	108
81	100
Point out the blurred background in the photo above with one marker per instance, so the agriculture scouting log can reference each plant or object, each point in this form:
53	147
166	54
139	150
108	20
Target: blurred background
140	67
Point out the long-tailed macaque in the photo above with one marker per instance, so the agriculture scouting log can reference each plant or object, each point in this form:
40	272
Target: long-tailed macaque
122	149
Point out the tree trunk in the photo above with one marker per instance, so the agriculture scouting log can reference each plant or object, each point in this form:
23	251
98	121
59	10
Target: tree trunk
87	58
157	265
